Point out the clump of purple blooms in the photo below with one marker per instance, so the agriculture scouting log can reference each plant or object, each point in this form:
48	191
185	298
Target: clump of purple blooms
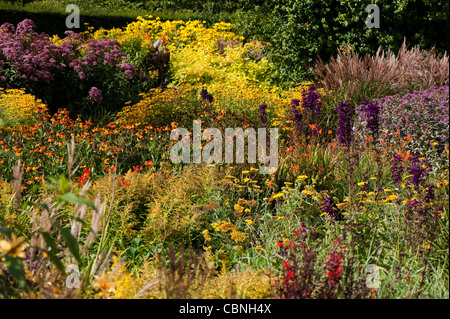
263	115
330	210
419	170
397	168
345	129
32	61
96	94
206	96
35	57
311	101
30	55
422	115
308	113
372	117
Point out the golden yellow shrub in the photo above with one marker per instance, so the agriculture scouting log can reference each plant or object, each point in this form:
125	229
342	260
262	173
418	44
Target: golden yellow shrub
18	106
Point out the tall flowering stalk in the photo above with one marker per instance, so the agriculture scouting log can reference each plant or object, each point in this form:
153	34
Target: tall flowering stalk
373	119
345	135
397	168
311	101
297	116
263	115
345	130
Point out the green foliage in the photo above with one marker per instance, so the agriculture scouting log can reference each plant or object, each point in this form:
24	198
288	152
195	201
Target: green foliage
300	31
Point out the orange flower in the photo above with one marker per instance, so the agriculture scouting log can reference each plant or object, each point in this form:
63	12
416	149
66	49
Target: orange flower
137	169
110	170
150	163
125	183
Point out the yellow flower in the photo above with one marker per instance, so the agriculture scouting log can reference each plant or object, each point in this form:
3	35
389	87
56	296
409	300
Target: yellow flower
278	195
390	198
250	222
238	208
237	236
14	247
362	183
206	235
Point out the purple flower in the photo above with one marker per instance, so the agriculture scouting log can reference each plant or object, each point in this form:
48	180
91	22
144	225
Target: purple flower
263	115
311	101
206	96
330	210
396	168
129	69
295	103
373	118
96	94
345	130
423	115
429	195
419	170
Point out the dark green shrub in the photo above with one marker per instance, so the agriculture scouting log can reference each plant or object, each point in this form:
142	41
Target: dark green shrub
302	30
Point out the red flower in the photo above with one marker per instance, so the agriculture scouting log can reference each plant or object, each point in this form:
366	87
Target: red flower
280	244
150	163
286	265
137	169
110	170
81	180
86	175
125	183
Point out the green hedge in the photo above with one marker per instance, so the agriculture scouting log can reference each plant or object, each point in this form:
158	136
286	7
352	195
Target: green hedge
301	30
55	23
51	19
298	30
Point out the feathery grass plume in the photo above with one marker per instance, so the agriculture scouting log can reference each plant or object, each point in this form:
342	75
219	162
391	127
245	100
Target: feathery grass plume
423	69
17	183
79	212
186	275
354	78
96	221
144	290
72	157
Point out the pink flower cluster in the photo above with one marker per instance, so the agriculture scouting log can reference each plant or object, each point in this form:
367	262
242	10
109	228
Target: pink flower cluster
28	55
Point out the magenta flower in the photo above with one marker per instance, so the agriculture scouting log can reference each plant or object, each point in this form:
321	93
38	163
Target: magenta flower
96	94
